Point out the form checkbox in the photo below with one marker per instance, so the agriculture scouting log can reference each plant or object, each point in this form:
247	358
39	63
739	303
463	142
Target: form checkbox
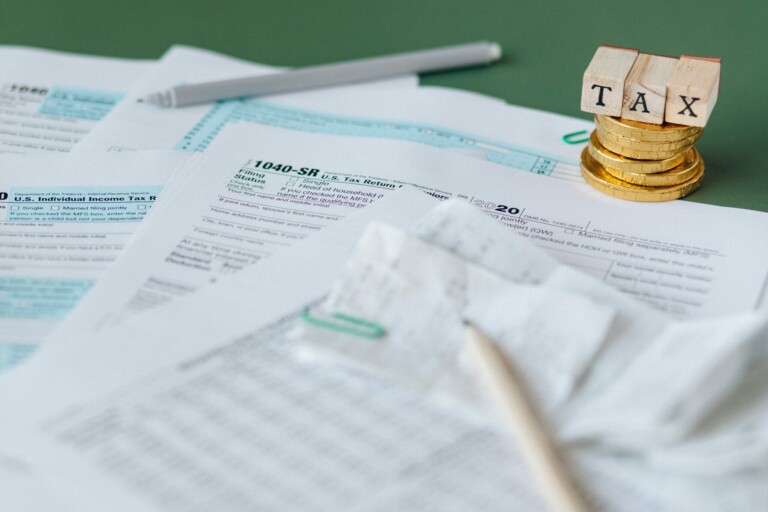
141	207
14	207
54	207
568	231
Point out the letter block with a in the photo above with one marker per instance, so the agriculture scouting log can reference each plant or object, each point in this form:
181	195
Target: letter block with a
603	87
645	89
692	91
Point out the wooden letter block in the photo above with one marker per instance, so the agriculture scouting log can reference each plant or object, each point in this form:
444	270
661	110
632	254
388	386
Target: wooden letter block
645	89
603	88
692	91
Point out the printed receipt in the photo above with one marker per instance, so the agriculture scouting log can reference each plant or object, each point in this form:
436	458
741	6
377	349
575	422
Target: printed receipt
50	100
258	190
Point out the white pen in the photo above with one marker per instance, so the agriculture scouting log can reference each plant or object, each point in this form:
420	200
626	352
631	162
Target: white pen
538	450
312	77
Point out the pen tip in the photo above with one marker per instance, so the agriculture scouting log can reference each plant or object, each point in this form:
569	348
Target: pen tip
495	51
140	100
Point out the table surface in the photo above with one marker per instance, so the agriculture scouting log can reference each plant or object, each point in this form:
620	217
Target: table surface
547	46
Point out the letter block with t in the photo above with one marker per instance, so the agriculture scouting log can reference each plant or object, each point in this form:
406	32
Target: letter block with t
645	89
692	90
603	88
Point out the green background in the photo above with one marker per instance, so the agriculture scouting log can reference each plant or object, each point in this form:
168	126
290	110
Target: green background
547	46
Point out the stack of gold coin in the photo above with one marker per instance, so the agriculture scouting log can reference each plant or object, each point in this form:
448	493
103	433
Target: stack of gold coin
642	161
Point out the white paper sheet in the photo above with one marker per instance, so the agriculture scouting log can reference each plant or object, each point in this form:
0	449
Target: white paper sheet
678	378
259	189
64	219
50	100
734	435
458	121
24	491
222	417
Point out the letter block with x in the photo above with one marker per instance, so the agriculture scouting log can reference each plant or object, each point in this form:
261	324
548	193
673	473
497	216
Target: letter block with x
692	90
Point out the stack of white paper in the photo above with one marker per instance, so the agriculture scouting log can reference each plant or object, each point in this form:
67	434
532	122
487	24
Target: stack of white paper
169	380
223	398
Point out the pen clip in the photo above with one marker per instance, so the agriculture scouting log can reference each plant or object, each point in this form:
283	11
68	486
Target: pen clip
347	324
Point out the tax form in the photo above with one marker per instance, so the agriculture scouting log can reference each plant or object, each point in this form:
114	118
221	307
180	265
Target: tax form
63	221
222	416
50	100
258	190
135	126
457	121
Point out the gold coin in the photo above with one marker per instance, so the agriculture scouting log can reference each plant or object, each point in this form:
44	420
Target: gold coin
597	177
645	131
679	174
616	161
643	145
639	154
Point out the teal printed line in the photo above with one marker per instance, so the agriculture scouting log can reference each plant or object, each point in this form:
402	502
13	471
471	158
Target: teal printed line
12	354
77	103
80	204
203	133
28	298
261	112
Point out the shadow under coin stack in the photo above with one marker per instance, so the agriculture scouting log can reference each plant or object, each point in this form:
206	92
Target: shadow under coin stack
642	161
649	111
